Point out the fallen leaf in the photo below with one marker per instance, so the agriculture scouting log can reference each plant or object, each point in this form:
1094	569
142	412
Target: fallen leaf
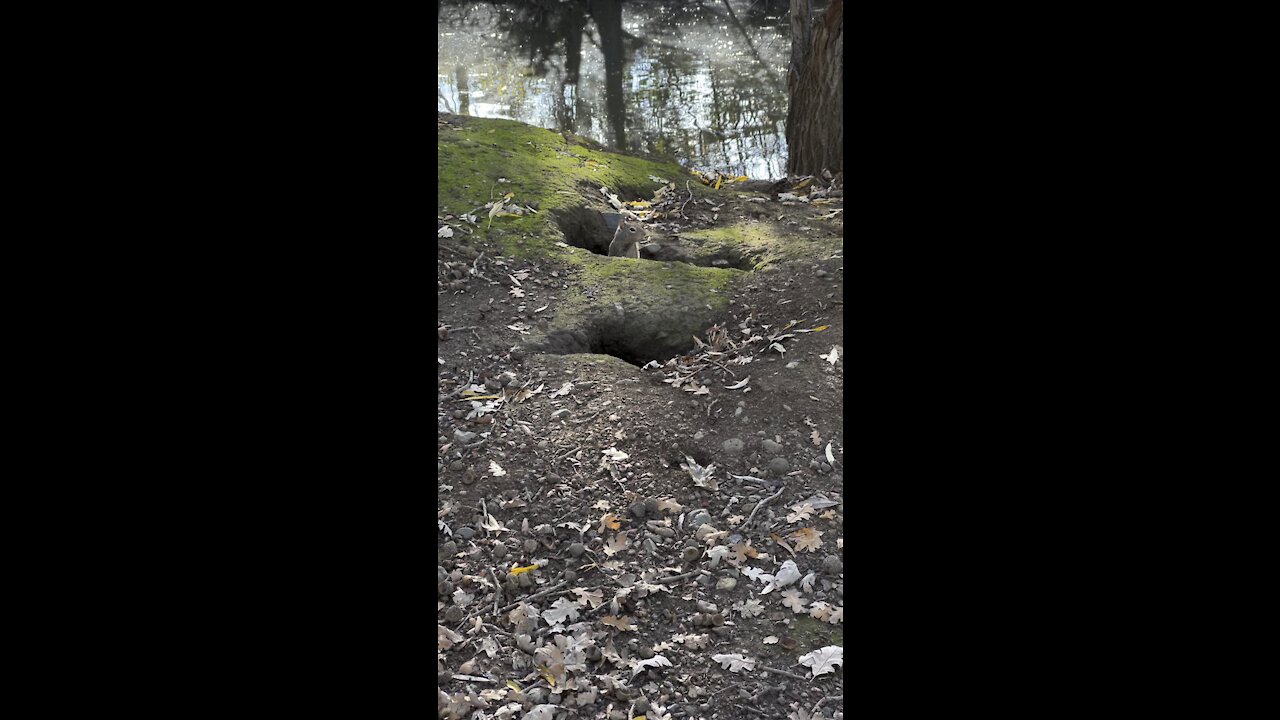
445	638
638	666
445	232
615	454
622	623
496	470
792	599
616	544
807	539
734	662
589	597
740	384
702	476
519	570
610	521
563	609
831	459
770	639
823	660
831	357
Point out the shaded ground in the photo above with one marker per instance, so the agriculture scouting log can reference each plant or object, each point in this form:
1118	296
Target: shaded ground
560	445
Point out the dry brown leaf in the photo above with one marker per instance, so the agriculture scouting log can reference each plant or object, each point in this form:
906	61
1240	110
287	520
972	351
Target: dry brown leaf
609	521
622	623
807	539
616	544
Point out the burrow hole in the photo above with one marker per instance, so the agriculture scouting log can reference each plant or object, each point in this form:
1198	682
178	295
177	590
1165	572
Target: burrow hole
593	230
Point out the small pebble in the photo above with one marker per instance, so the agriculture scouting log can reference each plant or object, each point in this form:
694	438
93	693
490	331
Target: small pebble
576	549
733	446
779	466
638	509
466	533
771	446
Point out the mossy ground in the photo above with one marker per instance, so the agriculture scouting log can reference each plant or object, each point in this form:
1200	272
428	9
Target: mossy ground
548	172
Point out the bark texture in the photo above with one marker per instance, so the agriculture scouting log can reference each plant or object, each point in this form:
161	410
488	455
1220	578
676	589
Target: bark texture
815	81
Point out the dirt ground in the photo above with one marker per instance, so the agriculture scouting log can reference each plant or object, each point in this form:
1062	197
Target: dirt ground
610	529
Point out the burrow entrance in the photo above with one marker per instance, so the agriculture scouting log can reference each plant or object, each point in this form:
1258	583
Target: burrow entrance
634	331
593	230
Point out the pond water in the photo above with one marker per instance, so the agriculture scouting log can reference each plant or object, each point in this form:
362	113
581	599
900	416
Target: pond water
703	83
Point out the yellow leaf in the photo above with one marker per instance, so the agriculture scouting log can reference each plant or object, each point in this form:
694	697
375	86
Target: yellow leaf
511	684
517	570
740	178
508	196
480	397
718	179
803	184
820	328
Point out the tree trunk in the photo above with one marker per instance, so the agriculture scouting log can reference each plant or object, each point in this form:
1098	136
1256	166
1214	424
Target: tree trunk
815	81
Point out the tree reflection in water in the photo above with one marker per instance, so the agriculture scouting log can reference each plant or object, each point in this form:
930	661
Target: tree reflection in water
701	82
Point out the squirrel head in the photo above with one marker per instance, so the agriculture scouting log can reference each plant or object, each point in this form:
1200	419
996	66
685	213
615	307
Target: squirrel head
630	227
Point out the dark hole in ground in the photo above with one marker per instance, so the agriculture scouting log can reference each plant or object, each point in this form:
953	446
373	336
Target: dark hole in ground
633	343
592	231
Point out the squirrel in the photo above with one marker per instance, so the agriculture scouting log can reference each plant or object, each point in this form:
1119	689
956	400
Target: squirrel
627	239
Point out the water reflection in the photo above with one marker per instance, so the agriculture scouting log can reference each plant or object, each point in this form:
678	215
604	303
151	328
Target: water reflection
701	82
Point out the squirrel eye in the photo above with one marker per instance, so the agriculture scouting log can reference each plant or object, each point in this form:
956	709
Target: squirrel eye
633	229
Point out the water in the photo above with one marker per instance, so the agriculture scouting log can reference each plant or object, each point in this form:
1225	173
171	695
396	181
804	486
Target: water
703	83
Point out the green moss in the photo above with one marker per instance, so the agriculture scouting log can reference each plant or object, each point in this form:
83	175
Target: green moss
545	170
767	242
811	634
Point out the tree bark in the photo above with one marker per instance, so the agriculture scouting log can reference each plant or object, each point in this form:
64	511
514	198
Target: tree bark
815	81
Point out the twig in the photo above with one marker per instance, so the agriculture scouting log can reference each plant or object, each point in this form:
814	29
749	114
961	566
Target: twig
485	509
751	710
678	578
761	504
561	457
783	672
497	591
686	202
536	595
823	700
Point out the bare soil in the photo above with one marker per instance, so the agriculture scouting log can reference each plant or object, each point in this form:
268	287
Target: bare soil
572	464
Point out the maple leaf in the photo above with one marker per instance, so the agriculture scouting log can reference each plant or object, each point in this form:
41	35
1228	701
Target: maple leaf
802	512
792	599
734	662
496	470
622	623
836	616
828	515
560	610
609	521
823	660
462	599
616	544
601	505
807	539
820	610
736	520
638	666
754	608
742	551
588	597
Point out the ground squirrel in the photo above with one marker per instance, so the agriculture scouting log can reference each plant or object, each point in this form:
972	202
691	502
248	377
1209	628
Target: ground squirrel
627	239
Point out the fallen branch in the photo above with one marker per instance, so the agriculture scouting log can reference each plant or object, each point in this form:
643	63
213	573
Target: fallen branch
783	672
762	504
823	700
678	578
